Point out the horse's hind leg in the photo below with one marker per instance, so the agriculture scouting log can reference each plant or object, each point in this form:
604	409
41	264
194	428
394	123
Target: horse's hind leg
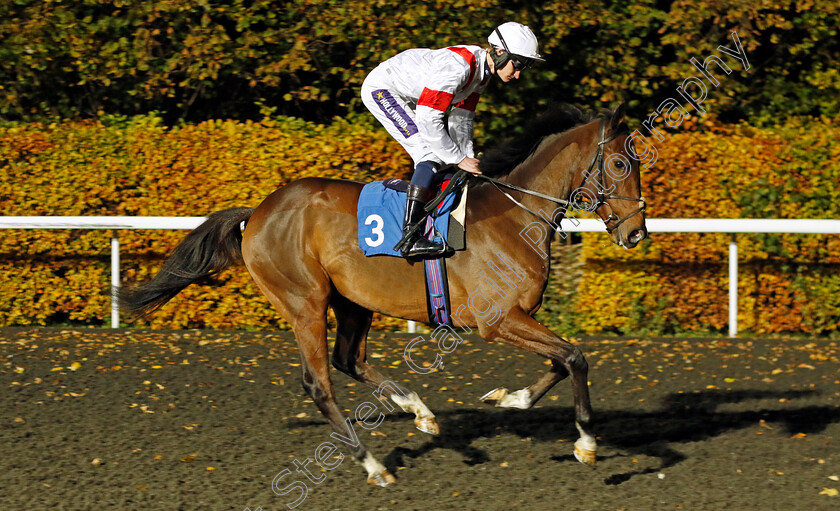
350	357
523	331
310	327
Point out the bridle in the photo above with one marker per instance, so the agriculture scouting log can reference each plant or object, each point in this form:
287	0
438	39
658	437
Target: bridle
600	186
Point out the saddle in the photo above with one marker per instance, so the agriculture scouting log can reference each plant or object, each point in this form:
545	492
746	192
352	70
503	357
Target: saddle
380	213
381	209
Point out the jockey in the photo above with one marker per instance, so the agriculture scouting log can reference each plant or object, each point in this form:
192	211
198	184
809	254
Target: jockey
411	92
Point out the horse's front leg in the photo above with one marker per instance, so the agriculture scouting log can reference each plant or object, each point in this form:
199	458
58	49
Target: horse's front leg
520	329
527	397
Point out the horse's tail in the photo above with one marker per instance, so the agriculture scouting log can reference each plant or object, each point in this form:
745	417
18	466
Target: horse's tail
210	248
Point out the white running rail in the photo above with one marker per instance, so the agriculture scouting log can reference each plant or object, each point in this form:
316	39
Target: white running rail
706	225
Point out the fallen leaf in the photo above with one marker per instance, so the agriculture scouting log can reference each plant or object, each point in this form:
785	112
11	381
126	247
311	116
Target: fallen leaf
190	458
831	492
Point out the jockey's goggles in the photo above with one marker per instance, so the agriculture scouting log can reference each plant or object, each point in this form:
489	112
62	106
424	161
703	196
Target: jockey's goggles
519	62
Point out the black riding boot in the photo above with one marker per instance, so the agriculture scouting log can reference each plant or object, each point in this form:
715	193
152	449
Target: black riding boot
418	245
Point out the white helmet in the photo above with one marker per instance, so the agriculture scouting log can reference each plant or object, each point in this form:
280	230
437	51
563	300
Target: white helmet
517	39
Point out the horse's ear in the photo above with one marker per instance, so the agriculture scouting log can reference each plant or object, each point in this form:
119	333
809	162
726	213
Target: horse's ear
618	116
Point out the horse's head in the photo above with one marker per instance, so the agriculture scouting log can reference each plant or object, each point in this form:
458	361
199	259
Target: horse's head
610	186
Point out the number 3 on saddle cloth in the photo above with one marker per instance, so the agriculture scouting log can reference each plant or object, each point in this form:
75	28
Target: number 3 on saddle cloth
380	213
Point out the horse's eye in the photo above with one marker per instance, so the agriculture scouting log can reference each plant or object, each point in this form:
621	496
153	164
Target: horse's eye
619	164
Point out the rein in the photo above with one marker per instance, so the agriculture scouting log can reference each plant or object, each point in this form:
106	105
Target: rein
600	186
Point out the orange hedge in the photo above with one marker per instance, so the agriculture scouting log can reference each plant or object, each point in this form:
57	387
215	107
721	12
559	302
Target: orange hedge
677	283
672	283
139	167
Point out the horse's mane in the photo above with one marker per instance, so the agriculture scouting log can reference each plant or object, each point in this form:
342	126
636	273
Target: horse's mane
501	159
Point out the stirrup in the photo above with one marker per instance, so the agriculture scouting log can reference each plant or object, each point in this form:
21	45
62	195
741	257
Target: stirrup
425	249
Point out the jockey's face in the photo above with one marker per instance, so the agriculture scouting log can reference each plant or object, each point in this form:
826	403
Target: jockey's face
507	72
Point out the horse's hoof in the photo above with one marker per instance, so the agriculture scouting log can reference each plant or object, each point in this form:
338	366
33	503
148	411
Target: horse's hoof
383	478
427	425
584	454
494	397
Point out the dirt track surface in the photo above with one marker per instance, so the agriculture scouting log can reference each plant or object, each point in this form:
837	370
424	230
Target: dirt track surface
94	419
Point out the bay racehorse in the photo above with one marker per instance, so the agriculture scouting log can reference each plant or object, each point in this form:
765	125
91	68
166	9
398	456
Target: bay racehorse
300	246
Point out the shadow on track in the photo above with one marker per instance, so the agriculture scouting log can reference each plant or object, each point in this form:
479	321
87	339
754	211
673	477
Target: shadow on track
682	418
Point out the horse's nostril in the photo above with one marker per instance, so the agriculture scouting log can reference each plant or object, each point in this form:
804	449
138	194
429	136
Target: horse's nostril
637	235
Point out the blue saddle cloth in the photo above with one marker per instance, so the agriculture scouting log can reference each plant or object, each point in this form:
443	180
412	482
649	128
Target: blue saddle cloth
381	210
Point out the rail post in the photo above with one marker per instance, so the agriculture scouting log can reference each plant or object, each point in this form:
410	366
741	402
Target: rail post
115	280
733	286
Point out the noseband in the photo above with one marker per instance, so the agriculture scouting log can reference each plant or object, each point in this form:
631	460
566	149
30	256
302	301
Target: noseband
600	186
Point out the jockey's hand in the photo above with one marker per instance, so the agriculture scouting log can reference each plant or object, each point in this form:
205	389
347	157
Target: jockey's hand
470	165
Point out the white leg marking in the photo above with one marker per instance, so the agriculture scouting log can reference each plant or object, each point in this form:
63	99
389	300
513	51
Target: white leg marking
424	419
412	404
519	399
503	399
585	447
377	473
372	465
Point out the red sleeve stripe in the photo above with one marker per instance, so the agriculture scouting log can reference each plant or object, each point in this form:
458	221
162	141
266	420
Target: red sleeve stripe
436	99
469	57
469	103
